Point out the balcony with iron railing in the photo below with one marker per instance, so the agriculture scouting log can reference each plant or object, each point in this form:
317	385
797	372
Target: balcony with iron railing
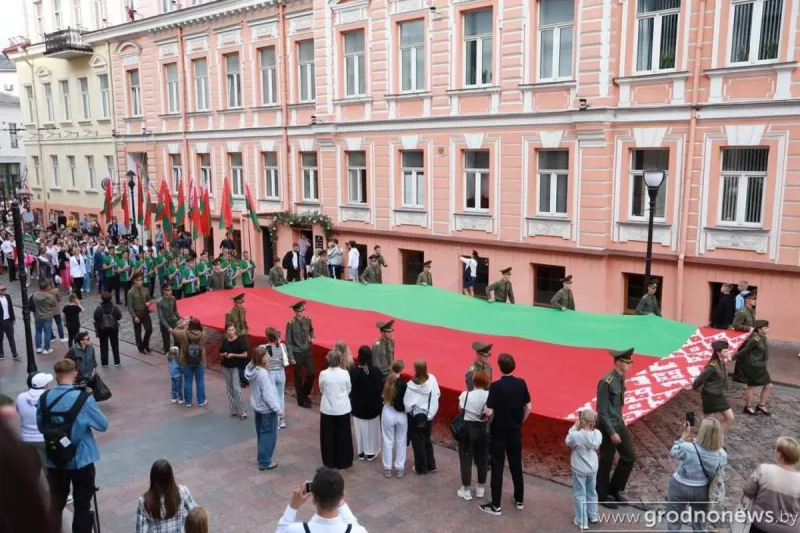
66	44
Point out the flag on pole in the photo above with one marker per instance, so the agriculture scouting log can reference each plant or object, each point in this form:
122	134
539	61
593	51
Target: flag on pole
139	197
180	214
165	210
194	215
148	206
251	207
107	204
206	219
225	211
126	210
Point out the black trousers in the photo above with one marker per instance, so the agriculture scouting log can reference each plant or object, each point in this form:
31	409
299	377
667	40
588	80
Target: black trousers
12	269
77	285
71	334
501	447
82	482
292	275
147	324
7	330
105	338
113	285
607	484
424	461
336	441
166	339
303	375
126	287
474	449
152	286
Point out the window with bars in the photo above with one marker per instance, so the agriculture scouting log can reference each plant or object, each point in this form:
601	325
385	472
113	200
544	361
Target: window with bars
233	75
556	28
478	26
201	84
744	174
270	175
656	34
755	31
355	76
412	167
553	175
357	177
642	160
476	180
86	104
308	164
305	62
171	73
56	174
412	56
66	101
105	96
49	112
177	170
91	174
73	172
135	93
269	84
237	174
547	282
13	135
204	161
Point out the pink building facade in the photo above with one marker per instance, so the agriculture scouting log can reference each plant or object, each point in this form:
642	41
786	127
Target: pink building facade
519	128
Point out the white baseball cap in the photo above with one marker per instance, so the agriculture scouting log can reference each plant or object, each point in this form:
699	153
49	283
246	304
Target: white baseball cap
41	380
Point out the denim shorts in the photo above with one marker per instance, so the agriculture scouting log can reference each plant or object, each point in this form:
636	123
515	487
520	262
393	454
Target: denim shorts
469	281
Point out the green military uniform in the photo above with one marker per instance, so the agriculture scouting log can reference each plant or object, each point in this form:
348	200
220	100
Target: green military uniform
202	271
744	319
160	263
485	350
563	299
383	350
277	277
218	281
610	401
247	267
238	318
713	382
167	319
191	288
299	336
320	270
370	275
754	355
425	278
648	305
502	291
138	298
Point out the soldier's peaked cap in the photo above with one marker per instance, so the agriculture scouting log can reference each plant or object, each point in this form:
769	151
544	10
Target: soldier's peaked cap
624	355
720	345
506	271
299	306
566	279
427	263
481	347
385	326
751	296
653	283
238	298
760	324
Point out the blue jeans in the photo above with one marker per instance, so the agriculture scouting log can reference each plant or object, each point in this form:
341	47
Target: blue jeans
267	433
176	373
584	496
87	282
199	374
43	327
279	379
59	325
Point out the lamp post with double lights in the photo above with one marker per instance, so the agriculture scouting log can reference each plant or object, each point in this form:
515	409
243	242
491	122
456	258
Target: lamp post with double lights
134	231
653	179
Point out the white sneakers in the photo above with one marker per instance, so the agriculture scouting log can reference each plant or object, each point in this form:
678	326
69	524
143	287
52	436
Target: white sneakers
63	339
282	423
38	350
479	491
45	352
464	494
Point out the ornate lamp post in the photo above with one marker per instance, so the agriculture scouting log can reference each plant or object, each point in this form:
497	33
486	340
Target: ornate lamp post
653	178
134	231
23	284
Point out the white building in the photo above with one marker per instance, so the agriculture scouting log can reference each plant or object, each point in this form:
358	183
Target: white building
8	77
12	150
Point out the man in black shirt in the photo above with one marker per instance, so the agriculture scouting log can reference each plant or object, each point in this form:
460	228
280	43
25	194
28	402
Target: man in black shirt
508	406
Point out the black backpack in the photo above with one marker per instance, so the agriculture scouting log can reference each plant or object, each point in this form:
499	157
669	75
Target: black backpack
194	354
107	322
59	449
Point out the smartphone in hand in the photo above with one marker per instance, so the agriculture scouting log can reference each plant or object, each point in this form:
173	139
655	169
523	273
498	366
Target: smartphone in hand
690	418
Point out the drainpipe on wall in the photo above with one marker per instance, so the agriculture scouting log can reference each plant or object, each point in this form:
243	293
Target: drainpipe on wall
185	158
285	103
683	229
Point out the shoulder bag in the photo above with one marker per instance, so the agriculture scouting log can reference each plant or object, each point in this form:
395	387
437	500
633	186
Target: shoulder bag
716	481
420	420
458	427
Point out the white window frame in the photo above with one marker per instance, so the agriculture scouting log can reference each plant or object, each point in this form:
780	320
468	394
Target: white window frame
310	174
39	19
480	38
49	111
413	49
31	104
306	74
639	175
36	170
86	102
13	135
56	172
135	92
551	175
741	195
237	173
557	28
269	76
204	163
77	15
357	180
655	45
271	184
478	174
168	6
91	175
356	61
109	159
66	100
755	32
412	175
73	171
176	163
58	19
171	77
105	96
233	80
201	85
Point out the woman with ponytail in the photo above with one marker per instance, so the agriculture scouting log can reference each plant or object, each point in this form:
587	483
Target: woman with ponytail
394	422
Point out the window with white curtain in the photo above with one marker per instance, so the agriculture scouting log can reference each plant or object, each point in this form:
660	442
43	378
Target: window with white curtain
92	173
233	75
58	17
755	30
109	166
270	175
177	170
135	93
357	177
744	174
31	104
476	180
478	26
308	165
77	15
656	34
171	74
556	28
86	104
355	77
553	176
73	172
237	173
37	175
56	175
306	74
269	84
205	171
412	56
49	111
412	167
105	96
66	100
642	160
201	84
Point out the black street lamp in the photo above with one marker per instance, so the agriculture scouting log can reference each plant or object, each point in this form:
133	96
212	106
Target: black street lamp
653	178
134	231
23	283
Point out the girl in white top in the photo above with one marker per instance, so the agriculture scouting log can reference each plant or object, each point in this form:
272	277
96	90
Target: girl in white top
336	438
470	273
584	440
77	269
475	447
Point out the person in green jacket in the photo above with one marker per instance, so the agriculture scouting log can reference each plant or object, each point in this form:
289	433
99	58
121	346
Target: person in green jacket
110	272
277	277
247	267
174	278
203	270
189	280
123	266
149	271
370	274
161	263
231	266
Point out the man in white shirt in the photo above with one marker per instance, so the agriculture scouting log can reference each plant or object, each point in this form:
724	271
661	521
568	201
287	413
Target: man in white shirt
291	262
333	514
7	249
353	260
7	320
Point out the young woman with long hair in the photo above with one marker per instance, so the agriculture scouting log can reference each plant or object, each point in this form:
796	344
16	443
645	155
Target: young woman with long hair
276	365
347	360
266	407
394	422
233	351
365	397
421	402
163	508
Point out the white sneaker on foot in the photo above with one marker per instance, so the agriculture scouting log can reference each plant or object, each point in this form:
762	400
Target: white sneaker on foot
479	492
45	352
464	494
174	400
282	424
63	339
38	350
203	404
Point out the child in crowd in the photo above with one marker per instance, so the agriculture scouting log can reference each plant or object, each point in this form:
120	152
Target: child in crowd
175	372
584	440
72	319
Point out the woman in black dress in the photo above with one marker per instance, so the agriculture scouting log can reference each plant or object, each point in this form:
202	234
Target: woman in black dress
753	356
713	382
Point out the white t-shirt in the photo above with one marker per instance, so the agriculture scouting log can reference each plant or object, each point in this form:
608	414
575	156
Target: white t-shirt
77	268
473	412
472	266
353	258
334	383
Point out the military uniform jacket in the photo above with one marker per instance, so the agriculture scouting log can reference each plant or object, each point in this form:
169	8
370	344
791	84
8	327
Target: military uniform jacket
276	276
502	291
137	301
237	317
370	275
610	399
383	355
218	281
321	270
425	278
298	336
754	352
477	367
379	269
744	319
648	305
563	298
713	379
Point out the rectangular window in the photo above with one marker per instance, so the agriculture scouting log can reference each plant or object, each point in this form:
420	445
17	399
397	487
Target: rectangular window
478	47
37	175
49	112
135	93
556	28
355	77
13	136
31	104
66	104
357	177
271	175
234	78
635	288
92	176
305	59
476	180
201	84
105	96
77	16
171	73
744	174
98	14
73	172
269	84
177	170
553	179
656	34
237	174
642	160
412	56
56	175
310	181
547	282
413	178
86	106
205	171
168	5
756	31
39	19
57	16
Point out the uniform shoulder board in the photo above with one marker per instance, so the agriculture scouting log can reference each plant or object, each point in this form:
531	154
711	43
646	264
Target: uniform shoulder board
291	321
756	337
610	379
712	363
377	343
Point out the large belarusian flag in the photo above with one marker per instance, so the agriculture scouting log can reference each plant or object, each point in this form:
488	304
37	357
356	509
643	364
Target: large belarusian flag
164	213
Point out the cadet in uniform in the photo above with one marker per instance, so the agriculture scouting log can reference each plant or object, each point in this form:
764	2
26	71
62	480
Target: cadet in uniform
744	320
383	350
713	382
482	353
616	438
371	273
277	277
648	305
247	268
425	277
563	299
501	290
299	338
753	356
321	269
138	299
380	263
218	280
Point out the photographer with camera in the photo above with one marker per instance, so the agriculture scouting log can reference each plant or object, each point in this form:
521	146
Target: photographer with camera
333	514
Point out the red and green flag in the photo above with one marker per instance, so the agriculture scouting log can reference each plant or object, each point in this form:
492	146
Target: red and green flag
251	207
165	210
148	206
226	209
107	203
194	213
206	218
180	214
126	210
139	196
